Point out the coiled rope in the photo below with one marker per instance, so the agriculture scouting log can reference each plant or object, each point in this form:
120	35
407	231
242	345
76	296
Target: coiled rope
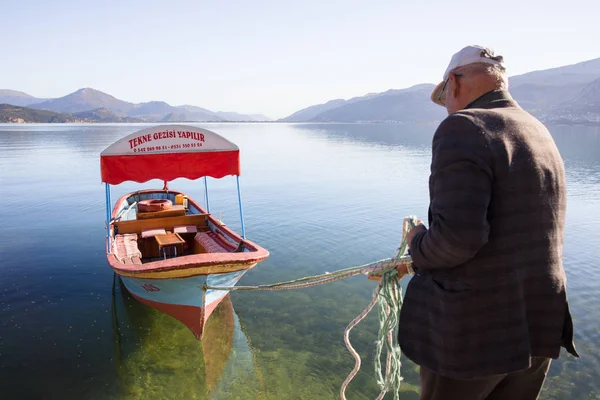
388	296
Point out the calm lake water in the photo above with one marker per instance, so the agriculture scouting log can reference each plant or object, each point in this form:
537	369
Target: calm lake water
318	197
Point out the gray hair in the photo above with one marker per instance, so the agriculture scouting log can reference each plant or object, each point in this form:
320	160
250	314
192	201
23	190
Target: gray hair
496	72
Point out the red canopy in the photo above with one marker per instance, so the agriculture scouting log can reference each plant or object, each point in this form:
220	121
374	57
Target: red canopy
168	152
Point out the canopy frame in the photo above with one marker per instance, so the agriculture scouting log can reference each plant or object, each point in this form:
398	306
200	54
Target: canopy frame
108	217
169	152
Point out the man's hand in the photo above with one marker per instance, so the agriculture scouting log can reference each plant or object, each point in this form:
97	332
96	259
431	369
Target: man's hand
420	227
402	270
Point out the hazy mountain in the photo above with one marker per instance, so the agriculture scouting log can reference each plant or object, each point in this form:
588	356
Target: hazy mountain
558	93
195	109
192	113
308	113
91	100
190	116
260	117
410	104
567	93
233	116
583	72
588	99
85	100
407	105
583	107
17	98
542	91
104	115
17	114
175	117
537	98
152	110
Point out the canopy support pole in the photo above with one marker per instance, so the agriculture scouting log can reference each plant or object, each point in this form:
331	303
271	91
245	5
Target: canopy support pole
206	194
108	205
237	179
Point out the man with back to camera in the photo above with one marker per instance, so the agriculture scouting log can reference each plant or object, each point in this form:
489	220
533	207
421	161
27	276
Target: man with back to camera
487	309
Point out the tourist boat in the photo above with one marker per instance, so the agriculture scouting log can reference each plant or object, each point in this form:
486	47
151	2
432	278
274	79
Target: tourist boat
169	251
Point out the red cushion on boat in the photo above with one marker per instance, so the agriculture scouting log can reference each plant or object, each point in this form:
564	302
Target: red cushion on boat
125	247
214	243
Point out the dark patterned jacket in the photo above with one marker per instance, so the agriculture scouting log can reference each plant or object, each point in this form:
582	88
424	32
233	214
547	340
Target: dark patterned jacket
489	290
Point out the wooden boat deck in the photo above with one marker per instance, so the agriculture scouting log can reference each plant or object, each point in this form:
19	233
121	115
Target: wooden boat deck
152	234
209	245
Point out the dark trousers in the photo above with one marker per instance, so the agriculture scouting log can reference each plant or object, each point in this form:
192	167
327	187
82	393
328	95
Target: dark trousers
521	385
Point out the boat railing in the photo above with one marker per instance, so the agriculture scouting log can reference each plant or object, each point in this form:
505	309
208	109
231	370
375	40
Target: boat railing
124	212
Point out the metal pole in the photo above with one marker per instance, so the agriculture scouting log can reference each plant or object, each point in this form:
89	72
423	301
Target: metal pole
237	179
206	195
108	211
109	202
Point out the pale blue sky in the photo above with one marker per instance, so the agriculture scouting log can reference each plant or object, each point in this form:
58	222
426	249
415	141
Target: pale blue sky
274	57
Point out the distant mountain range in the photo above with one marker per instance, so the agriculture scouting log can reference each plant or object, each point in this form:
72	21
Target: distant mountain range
569	94
96	106
16	98
17	114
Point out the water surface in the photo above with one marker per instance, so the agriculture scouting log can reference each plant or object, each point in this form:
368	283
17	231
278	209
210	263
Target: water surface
318	197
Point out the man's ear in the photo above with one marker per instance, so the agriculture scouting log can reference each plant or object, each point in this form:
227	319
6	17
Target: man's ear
454	84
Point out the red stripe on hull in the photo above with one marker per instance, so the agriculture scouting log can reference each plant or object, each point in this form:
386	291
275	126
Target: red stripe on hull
193	317
190	316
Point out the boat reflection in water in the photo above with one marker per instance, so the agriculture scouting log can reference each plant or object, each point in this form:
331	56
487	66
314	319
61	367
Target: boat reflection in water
157	358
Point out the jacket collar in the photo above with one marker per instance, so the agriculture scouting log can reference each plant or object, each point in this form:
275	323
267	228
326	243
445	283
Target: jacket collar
493	99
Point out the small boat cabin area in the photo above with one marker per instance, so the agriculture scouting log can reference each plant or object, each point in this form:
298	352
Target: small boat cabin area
150	226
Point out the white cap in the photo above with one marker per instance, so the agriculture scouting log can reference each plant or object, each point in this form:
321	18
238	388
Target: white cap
466	56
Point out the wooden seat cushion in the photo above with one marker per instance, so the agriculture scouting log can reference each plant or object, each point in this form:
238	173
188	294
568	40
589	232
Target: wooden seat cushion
214	243
125	248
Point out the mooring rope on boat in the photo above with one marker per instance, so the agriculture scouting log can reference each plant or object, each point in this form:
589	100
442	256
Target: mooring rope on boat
388	296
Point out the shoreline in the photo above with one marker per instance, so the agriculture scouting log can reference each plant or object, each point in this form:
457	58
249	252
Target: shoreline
561	123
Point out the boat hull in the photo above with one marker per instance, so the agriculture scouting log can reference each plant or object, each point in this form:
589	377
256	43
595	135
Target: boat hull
184	299
175	285
182	267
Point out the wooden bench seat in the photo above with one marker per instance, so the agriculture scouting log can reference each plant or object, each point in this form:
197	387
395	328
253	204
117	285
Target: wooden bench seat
167	223
210	242
126	250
